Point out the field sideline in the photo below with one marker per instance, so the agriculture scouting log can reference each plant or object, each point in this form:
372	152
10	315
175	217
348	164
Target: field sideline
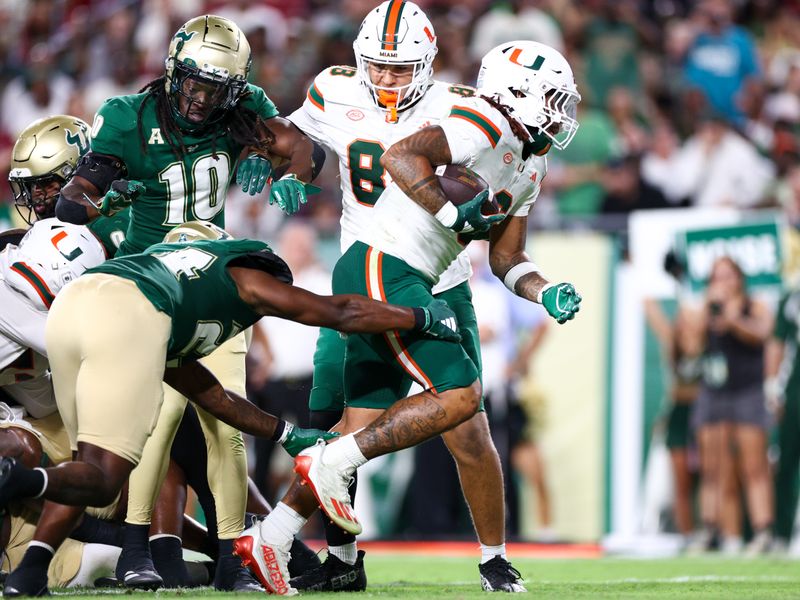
404	575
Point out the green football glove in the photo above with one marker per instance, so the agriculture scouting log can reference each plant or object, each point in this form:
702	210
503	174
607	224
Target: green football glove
289	192
298	439
560	300
253	173
469	218
440	322
120	196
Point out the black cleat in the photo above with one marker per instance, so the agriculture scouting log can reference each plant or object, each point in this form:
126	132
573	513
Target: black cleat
135	570
334	575
231	576
28	582
497	575
303	559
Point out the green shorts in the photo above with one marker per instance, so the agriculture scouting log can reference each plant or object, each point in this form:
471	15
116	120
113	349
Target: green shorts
379	367
678	430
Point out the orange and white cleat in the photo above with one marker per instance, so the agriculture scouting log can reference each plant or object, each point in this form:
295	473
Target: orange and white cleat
268	562
329	484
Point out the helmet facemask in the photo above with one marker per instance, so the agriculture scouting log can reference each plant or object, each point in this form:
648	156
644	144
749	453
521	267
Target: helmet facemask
208	96
35	197
396	34
43	160
206	71
552	112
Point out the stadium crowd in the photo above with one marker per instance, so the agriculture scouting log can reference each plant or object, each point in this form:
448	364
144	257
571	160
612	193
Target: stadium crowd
684	104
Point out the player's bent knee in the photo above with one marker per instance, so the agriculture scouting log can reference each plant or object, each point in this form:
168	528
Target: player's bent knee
21	444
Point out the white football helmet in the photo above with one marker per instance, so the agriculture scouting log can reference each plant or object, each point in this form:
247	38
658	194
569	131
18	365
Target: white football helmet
536	82
396	33
192	231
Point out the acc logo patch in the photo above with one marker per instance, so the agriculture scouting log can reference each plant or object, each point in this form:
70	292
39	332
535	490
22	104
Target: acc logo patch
355	115
508	158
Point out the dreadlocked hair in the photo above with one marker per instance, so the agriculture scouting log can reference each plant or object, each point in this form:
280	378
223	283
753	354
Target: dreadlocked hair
517	128
244	126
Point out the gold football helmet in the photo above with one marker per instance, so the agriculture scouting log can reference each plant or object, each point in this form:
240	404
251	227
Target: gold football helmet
44	158
206	70
196	230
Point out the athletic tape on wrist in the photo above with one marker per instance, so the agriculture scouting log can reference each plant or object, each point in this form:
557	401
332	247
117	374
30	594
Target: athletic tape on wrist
447	215
518	271
542	291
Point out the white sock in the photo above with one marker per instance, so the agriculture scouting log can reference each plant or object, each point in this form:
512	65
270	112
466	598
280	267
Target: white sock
489	552
344	450
282	524
347	553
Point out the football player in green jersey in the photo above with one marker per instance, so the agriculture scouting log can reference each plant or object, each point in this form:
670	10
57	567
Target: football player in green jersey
182	300
170	153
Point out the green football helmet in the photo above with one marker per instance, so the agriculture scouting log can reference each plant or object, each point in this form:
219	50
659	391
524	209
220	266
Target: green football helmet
206	71
44	158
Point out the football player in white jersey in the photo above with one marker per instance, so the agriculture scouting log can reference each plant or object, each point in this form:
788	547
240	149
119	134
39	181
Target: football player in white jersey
359	113
526	104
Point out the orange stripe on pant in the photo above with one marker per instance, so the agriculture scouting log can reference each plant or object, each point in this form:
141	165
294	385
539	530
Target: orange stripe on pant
376	291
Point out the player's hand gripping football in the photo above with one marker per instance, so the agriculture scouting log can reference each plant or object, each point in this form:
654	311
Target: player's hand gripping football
298	439
289	192
120	196
253	173
470	219
440	322
560	300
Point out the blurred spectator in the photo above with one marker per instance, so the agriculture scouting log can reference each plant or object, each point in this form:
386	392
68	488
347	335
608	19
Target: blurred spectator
256	18
632	137
721	58
730	415
681	344
626	190
718	167
280	383
782	388
610	47
657	166
514	20
575	172
39	92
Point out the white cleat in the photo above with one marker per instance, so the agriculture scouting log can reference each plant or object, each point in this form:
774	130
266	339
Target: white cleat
329	484
268	562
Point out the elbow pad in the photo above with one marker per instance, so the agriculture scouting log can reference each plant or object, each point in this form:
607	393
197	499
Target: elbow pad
71	212
100	170
317	160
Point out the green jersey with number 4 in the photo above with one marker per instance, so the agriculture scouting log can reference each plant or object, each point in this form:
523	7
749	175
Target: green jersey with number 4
178	188
190	283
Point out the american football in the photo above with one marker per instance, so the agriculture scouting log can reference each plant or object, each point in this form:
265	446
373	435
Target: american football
461	185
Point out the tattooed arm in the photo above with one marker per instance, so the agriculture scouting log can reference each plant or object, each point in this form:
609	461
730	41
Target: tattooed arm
507	249
411	162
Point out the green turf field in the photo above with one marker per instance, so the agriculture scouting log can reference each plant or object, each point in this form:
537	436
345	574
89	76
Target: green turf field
443	577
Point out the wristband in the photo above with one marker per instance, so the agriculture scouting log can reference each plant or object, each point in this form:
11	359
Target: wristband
420	318
447	215
282	431
518	271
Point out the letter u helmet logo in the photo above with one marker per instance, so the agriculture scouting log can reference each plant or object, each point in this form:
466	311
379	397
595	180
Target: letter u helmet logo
534	66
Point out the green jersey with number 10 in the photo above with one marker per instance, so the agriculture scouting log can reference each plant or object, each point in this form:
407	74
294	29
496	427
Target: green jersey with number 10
178	189
190	283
